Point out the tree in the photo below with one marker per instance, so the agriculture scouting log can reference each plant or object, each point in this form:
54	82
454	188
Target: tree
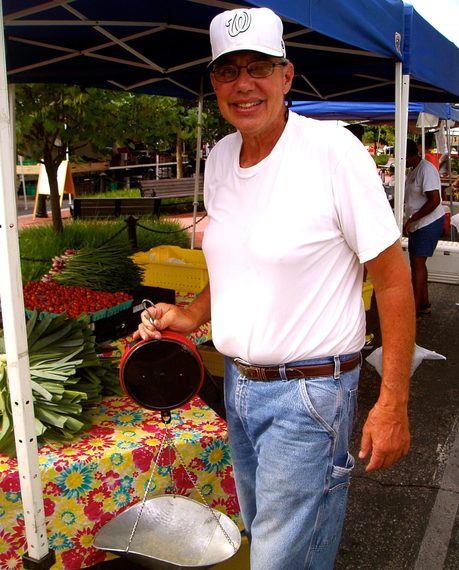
158	122
54	119
50	119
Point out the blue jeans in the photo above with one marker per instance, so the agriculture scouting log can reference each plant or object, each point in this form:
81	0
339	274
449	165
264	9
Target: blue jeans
289	445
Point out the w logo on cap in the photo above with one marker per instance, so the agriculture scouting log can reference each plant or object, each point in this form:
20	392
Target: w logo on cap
239	23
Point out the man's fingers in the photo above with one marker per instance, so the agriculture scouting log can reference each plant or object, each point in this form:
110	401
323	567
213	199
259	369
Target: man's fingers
365	445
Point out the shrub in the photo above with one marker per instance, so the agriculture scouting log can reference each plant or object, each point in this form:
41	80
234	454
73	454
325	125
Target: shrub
39	244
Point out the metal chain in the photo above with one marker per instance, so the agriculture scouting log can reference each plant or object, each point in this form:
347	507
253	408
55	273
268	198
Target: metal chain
182	461
144	500
170	444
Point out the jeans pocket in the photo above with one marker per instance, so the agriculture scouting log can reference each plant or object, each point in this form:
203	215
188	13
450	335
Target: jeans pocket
334	506
321	399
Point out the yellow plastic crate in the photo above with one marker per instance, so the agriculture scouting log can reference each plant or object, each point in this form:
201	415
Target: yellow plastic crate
173	267
213	360
367	292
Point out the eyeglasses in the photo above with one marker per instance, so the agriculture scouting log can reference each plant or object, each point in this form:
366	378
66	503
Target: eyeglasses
256	69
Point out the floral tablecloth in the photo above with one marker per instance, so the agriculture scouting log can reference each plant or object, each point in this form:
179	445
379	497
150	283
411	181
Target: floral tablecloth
106	470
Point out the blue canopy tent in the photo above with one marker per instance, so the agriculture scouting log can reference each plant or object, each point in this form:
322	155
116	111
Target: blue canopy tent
341	49
371	111
163	47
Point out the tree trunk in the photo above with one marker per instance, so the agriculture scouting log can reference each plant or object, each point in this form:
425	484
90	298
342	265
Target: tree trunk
51	171
179	157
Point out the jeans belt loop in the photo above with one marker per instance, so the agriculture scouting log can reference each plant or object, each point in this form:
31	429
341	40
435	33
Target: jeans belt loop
282	373
337	371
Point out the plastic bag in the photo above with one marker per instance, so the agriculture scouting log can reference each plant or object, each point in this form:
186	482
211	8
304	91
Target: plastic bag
419	354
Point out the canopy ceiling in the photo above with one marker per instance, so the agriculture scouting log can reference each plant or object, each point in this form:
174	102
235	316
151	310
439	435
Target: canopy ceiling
342	49
339	47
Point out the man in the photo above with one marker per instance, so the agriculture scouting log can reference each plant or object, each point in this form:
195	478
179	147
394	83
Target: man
295	209
425	220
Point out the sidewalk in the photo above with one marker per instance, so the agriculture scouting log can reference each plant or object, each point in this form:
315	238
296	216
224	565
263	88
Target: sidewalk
406	517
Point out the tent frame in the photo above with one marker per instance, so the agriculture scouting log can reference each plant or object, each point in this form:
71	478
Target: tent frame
11	283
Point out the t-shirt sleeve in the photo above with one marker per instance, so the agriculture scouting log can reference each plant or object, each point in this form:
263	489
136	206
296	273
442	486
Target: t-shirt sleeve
365	216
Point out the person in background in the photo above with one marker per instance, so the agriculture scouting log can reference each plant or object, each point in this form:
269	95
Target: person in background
425	220
429	145
356	129
295	209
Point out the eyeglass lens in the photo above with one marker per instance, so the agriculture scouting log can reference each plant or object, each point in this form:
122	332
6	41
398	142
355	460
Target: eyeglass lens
256	69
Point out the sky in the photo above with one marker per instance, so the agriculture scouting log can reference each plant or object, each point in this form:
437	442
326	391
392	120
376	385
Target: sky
441	14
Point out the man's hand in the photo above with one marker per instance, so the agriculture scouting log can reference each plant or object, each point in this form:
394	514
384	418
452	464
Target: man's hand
183	320
163	316
386	436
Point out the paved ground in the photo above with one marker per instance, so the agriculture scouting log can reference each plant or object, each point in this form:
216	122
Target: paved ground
406	518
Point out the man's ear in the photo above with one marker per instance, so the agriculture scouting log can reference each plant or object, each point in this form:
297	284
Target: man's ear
212	80
289	73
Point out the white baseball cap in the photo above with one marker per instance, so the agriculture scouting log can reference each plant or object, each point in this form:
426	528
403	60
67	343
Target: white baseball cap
252	29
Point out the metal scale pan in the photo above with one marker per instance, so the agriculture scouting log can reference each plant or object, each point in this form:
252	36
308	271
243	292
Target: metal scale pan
173	532
167	531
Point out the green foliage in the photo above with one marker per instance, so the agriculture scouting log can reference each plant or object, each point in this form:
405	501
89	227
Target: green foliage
66	375
39	244
119	193
51	118
214	125
381	159
154	121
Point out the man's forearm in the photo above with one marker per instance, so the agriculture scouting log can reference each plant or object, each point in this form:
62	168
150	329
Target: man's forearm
397	319
199	309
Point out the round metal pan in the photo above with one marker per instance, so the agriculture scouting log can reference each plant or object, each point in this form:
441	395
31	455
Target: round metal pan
162	374
174	532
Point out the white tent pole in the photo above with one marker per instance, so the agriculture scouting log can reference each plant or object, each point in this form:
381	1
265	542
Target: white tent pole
197	172
423	140
12	105
12	304
451	197
402	84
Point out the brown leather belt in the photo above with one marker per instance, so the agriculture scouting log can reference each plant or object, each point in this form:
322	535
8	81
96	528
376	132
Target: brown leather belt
266	373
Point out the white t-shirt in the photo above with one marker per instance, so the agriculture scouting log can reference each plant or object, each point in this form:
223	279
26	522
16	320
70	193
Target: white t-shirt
424	178
285	242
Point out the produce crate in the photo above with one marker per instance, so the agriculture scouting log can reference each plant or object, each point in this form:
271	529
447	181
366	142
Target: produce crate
173	267
367	292
114	326
127	321
93	317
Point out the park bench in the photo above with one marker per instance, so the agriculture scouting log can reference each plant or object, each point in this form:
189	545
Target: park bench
169	188
83	208
152	191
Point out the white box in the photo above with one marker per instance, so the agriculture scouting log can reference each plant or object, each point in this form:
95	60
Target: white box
443	266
